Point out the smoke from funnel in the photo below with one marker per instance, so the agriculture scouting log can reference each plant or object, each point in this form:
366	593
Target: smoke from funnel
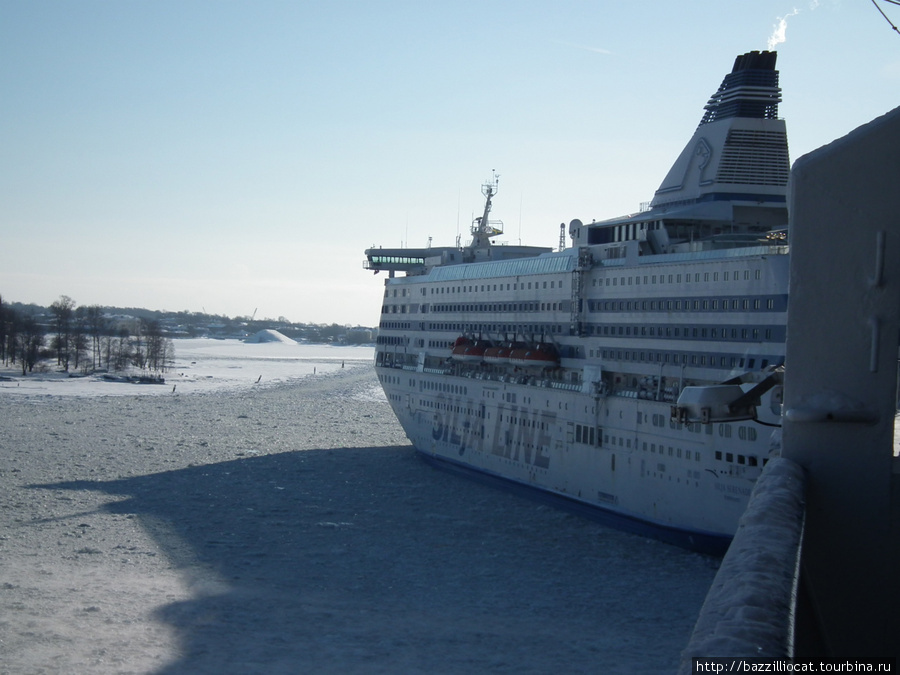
778	32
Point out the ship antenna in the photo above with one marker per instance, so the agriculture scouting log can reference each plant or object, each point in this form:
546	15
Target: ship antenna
520	219
481	228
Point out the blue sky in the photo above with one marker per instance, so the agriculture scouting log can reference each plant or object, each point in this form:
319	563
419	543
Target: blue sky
239	156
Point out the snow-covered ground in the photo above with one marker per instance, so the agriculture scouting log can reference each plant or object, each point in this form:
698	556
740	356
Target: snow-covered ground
203	365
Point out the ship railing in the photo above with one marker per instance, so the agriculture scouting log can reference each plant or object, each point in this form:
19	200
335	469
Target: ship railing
568	386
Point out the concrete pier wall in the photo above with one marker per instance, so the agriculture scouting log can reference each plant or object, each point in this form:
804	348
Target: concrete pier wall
749	610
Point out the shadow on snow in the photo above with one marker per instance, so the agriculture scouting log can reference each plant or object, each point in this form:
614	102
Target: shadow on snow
368	560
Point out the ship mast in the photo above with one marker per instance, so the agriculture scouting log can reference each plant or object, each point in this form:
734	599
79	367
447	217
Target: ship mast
482	229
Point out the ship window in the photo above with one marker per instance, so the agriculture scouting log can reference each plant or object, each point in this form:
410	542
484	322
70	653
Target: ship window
718	454
726	275
729	457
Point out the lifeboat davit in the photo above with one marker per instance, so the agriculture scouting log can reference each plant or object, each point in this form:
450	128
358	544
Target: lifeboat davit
539	356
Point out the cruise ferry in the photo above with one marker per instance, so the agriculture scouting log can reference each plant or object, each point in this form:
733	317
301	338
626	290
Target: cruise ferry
560	371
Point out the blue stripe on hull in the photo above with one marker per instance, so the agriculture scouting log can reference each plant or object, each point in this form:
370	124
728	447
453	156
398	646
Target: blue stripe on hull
701	542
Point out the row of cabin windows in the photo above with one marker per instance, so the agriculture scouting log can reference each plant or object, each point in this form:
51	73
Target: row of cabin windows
489	288
696	277
778	303
526	422
767	303
760	303
449	406
521	328
443	387
686	332
691	332
683	358
745	432
496	307
392	340
747	460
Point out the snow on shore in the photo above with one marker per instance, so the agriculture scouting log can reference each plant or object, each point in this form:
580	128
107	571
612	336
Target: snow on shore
202	365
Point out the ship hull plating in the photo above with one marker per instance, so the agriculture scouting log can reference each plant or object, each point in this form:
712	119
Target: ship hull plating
618	459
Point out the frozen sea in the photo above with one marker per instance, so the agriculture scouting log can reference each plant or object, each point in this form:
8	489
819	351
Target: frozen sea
269	516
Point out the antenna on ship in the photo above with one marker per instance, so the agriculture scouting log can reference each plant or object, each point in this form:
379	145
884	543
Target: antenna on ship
482	229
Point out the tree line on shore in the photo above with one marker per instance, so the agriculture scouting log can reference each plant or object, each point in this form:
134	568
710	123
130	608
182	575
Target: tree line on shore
81	338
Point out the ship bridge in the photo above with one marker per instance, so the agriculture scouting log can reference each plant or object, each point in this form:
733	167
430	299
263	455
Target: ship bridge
411	261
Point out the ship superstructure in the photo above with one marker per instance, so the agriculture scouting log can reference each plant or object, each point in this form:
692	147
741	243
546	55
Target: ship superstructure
559	370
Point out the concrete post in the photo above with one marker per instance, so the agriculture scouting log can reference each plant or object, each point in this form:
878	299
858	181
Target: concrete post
841	385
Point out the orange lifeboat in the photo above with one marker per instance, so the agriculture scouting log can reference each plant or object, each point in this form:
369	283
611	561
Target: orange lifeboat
474	352
497	353
539	356
458	353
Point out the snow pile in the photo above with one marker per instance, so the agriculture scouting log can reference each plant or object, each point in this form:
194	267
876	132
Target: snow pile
270	335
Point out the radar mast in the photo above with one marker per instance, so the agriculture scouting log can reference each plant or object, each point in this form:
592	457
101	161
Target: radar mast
482	228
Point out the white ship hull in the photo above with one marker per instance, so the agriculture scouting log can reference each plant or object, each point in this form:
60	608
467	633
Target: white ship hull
691	292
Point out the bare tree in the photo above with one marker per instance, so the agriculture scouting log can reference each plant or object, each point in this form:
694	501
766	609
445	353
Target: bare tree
79	340
159	350
29	340
7	333
63	311
96	325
